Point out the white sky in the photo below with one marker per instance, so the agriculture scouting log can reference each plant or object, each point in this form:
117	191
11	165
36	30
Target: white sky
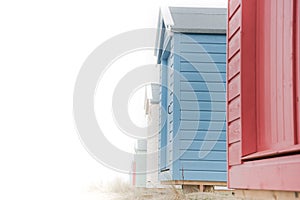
42	46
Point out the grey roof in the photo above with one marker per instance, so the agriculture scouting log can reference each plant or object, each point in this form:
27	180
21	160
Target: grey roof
194	20
188	20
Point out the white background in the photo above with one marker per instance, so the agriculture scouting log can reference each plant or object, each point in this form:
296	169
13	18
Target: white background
42	47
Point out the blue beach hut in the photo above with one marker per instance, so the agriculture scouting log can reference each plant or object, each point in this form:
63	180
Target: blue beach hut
191	50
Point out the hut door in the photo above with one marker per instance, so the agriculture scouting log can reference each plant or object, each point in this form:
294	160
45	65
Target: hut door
170	114
275	76
163	116
167	80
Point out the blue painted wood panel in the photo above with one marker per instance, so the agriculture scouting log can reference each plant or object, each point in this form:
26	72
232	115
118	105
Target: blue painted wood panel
203	38
203	145
202	106
203	48
204	175
202	115
200	165
203	96
204	135
196	123
202	67
202	125
203	57
202	86
210	155
213	77
163	128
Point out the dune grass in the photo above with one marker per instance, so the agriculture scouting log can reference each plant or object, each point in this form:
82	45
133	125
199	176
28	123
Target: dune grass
122	190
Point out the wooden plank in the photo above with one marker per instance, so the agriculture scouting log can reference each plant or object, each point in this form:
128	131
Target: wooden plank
234	109
203	165
248	86
288	88
203	57
210	155
202	86
203	67
233	5
203	145
277	77
234	65
263	58
297	66
234	154
203	135
202	38
234	87
234	23
202	106
196	182
202	125
205	115
273	152
268	174
234	44
234	131
176	113
204	77
203	96
202	48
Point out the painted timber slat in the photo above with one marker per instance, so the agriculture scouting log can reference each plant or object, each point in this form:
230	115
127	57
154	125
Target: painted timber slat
203	106
202	115
203	48
204	175
202	86
203	96
204	135
210	155
202	125
203	39
209	77
203	57
203	145
203	67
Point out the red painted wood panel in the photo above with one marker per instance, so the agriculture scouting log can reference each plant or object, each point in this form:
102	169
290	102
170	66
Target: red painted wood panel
234	154
234	65
273	153
234	131
234	23
263	43
267	174
297	65
267	107
288	134
234	109
233	5
248	70
235	44
234	87
275	75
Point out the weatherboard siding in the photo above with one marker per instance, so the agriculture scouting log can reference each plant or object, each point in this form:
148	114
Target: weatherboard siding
195	129
203	100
